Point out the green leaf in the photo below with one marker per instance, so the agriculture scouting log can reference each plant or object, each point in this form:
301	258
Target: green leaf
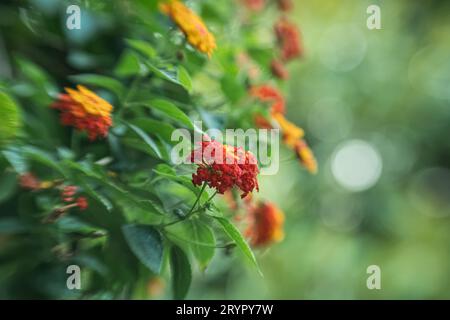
146	243
142	47
160	128
172	74
170	110
43	158
101	81
163	171
128	65
181	272
147	139
236	236
8	183
11	120
16	160
203	241
184	78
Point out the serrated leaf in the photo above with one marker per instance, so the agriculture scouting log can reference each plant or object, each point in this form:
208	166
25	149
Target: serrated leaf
236	236
101	81
146	243
181	272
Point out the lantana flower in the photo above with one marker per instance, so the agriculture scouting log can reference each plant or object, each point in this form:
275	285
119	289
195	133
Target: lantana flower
265	224
291	133
288	37
305	156
279	70
285	5
223	167
195	30
254	5
267	93
85	111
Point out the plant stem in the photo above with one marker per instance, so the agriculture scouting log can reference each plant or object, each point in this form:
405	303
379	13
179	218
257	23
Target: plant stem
191	211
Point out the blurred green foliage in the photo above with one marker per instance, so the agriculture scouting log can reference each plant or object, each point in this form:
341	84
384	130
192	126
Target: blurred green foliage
388	87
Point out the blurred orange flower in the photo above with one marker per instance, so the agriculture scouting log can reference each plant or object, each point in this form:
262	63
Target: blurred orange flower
289	39
267	93
265	224
291	133
279	70
191	25
85	111
306	156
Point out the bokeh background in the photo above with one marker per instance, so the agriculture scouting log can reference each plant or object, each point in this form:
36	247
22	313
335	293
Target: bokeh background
376	108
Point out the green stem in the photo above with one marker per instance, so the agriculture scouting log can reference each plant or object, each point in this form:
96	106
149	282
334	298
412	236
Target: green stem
191	211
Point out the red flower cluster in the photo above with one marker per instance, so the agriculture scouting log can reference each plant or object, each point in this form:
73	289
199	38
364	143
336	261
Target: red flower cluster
285	5
222	167
85	111
279	69
254	5
288	37
267	93
68	195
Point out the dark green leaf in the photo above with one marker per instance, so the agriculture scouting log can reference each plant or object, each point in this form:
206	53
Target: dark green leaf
170	110
181	272
146	243
146	138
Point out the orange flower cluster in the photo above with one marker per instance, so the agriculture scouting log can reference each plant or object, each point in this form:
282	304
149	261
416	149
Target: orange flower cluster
85	111
292	134
268	94
196	32
222	167
265	224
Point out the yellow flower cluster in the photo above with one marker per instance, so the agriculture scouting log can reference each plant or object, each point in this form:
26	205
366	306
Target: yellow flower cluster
191	25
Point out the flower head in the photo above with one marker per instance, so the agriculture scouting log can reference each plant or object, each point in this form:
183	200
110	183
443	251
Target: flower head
306	156
222	167
29	181
288	37
82	203
285	5
279	70
265	224
291	133
85	111
267	93
254	5
191	25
